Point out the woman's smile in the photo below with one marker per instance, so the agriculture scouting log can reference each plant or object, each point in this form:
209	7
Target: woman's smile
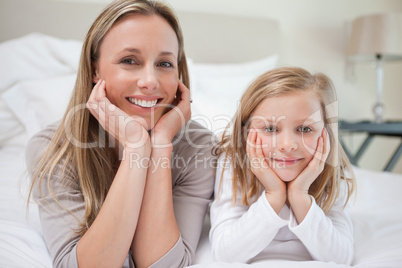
142	102
141	79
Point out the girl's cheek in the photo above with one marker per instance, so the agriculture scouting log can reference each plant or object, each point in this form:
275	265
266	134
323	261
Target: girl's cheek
310	143
267	146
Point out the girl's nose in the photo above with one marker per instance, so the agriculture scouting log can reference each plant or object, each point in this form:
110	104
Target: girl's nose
286	142
147	78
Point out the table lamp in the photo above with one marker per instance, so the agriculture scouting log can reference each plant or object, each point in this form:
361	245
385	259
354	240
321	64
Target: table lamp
376	38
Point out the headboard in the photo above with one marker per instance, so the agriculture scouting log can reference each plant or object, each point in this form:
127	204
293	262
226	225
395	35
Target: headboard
208	37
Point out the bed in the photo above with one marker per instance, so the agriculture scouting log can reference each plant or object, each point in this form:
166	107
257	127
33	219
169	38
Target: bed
38	68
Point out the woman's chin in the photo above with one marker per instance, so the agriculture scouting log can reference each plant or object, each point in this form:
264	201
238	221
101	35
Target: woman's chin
150	124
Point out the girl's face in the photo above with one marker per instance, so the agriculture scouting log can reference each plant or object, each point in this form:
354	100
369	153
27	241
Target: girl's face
138	61
289	126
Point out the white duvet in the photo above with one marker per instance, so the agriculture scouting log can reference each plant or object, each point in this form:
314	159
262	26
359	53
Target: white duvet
38	73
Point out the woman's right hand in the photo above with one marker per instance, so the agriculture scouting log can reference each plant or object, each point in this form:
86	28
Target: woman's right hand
130	131
275	188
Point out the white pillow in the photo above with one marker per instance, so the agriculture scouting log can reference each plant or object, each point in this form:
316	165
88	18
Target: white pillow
217	89
10	126
38	103
36	56
33	56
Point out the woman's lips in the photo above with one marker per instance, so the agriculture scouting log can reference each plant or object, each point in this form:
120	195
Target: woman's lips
144	103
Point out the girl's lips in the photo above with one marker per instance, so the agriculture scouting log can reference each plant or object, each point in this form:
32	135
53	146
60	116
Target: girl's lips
287	161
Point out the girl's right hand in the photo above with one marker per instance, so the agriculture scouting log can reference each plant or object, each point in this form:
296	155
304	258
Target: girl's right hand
259	166
130	131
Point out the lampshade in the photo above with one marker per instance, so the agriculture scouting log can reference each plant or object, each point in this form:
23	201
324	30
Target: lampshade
378	34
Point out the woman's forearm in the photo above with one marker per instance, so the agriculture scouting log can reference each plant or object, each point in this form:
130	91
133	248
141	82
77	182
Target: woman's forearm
108	240
157	231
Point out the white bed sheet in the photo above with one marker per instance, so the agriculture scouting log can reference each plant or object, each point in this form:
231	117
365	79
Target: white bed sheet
21	241
376	214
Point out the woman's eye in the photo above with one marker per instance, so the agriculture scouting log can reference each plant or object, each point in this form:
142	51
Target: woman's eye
128	61
165	64
270	129
304	129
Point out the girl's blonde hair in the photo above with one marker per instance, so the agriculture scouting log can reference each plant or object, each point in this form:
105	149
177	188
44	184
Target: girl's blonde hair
79	141
325	189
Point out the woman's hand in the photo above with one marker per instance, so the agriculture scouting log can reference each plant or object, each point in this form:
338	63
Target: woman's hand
310	173
275	188
130	131
172	121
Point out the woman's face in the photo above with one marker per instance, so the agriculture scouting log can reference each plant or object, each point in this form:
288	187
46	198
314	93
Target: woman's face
289	126
138	61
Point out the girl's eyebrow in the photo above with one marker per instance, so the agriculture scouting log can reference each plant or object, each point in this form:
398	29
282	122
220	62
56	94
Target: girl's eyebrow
258	119
308	121
272	119
262	121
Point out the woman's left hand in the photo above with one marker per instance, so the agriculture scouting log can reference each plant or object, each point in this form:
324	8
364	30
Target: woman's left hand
310	173
172	121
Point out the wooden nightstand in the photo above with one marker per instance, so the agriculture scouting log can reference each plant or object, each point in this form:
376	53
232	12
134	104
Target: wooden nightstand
392	128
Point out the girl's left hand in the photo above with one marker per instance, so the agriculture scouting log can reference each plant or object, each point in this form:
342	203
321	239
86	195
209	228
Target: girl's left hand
172	121
310	173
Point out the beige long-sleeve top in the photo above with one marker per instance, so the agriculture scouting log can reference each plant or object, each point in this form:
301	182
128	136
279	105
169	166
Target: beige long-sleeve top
192	186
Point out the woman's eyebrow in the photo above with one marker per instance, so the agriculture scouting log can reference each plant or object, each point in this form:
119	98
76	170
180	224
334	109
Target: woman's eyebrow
137	51
132	50
167	53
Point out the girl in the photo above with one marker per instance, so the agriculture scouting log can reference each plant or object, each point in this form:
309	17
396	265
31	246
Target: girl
121	181
282	179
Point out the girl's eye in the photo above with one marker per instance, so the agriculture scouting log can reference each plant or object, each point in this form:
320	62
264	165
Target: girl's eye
165	64
304	129
128	61
270	129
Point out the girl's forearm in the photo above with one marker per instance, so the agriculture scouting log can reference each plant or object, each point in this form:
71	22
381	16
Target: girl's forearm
108	240
157	230
276	200
300	202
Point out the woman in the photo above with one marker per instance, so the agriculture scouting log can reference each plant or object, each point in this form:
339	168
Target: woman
126	179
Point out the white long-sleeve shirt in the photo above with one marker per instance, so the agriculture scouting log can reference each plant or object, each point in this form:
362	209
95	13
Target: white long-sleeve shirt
253	233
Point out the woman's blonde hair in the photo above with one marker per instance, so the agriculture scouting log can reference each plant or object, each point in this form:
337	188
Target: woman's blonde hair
79	141
325	189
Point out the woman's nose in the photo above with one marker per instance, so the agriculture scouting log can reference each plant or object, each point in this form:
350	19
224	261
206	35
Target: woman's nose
287	142
147	78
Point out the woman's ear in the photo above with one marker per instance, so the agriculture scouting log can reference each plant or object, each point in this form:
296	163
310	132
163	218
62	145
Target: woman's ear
95	79
95	75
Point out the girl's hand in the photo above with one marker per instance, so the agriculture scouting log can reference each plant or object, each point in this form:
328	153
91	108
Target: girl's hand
302	183
259	166
172	121
130	131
